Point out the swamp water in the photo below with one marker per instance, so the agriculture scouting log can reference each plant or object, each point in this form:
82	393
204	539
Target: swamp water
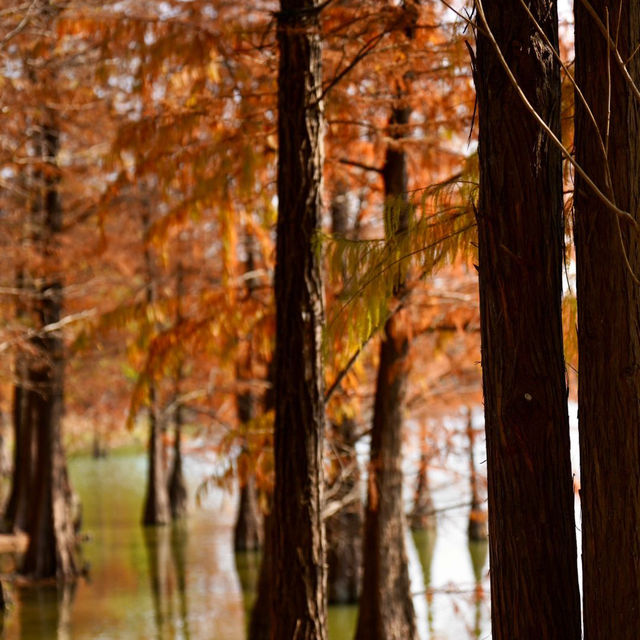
184	581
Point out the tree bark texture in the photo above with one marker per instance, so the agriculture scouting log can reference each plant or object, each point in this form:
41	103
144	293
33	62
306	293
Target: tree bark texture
386	608
298	596
534	583
609	321
51	551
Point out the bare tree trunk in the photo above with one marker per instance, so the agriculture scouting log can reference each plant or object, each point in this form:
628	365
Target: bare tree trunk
534	582
344	528
386	608
608	313
298	578
248	531
52	542
477	529
423	516
156	504
177	487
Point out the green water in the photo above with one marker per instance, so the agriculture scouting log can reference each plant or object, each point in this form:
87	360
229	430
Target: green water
178	582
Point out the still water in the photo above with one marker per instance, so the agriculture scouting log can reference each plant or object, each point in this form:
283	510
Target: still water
184	581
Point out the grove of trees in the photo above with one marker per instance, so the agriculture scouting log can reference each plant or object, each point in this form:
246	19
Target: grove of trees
303	232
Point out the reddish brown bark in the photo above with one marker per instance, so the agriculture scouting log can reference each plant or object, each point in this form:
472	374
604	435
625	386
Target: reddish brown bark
608	317
386	608
52	544
534	583
298	579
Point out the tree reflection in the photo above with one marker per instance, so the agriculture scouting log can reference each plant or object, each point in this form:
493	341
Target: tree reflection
166	557
45	611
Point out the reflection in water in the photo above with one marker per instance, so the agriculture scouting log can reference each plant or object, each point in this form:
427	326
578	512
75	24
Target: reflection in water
45	611
478	551
166	548
167	585
425	543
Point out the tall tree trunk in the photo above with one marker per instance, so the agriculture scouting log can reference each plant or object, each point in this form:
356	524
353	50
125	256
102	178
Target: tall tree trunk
248	530
298	576
608	312
156	504
386	608
344	527
477	529
52	543
534	582
177	487
423	516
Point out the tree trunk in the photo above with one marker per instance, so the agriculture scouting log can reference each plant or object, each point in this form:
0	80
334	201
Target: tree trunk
386	608
156	504
22	476
608	312
177	488
298	577
423	516
248	530
344	528
52	541
477	529
534	582
260	624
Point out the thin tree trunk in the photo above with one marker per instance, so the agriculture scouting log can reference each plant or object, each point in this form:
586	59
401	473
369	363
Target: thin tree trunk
298	576
423	516
177	487
609	330
248	530
534	582
386	608
156	504
52	541
344	528
477	529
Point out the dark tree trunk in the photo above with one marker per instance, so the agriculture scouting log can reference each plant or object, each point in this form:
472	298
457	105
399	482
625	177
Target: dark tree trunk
248	530
260	624
608	312
386	608
298	576
52	541
534	582
423	516
22	476
157	509
177	486
344	527
477	529
156	504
